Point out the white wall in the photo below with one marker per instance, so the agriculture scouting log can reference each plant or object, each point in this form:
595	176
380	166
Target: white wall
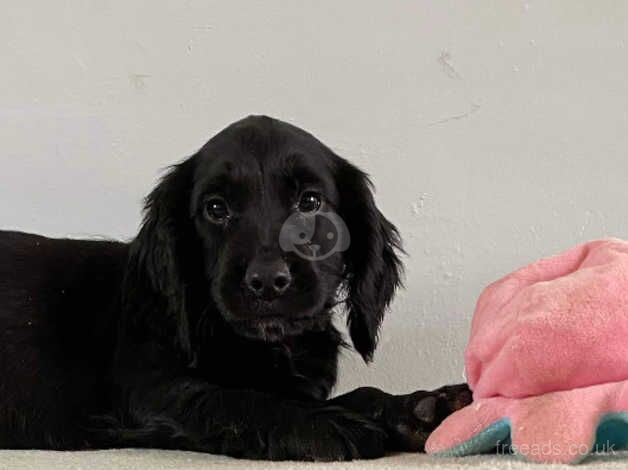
496	132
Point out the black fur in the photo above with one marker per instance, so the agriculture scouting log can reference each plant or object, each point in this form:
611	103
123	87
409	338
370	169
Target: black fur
160	343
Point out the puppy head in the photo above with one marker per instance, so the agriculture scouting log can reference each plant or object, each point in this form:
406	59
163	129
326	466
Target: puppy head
269	225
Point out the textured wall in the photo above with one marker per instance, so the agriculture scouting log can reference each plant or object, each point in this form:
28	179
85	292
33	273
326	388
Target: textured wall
495	131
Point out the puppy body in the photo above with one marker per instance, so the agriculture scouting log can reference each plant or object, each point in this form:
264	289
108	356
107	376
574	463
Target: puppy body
58	320
168	341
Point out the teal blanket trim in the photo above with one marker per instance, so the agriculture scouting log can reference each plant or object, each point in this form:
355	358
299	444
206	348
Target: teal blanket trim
611	435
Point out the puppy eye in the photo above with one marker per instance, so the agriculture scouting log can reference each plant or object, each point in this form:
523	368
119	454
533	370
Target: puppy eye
310	201
216	210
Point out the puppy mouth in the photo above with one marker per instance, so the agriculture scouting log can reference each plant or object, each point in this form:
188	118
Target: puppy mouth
266	323
265	308
270	319
267	313
272	328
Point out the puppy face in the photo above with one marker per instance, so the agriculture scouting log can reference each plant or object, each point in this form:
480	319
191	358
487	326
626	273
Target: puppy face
261	194
266	224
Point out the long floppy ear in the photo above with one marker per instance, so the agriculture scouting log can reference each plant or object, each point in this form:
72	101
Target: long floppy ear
154	284
373	267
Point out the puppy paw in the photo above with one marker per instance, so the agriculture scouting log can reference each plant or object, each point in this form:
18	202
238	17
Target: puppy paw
410	419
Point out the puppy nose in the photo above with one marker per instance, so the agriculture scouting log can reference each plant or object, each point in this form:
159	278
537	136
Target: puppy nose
269	278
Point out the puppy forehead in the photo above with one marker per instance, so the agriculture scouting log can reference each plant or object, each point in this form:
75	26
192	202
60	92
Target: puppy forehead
249	155
226	167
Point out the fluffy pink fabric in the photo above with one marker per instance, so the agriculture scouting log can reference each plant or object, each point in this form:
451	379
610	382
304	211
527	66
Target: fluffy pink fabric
555	331
557	324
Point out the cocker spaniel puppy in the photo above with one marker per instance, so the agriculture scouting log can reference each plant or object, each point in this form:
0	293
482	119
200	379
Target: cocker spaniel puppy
212	329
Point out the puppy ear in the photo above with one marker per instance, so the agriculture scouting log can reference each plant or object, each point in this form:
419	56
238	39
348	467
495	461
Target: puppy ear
373	268
155	289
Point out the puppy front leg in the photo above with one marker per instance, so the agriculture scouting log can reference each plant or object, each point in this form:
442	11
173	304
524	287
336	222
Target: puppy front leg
407	419
190	414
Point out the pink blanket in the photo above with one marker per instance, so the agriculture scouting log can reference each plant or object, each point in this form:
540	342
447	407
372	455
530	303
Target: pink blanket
547	360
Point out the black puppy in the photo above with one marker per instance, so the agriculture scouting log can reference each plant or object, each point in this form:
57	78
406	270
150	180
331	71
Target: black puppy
212	330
